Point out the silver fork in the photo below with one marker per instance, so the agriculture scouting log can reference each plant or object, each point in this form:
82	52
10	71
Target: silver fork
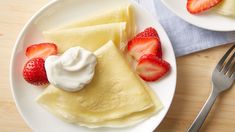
222	79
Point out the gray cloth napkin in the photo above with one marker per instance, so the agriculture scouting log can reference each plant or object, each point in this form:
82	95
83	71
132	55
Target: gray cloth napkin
185	37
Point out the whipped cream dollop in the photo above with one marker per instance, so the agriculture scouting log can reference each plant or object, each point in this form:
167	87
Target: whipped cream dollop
72	70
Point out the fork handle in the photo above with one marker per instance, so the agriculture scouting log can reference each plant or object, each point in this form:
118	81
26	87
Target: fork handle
197	123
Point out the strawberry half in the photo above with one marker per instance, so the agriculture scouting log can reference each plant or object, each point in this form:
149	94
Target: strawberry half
148	33
42	50
146	42
151	68
140	46
34	72
197	6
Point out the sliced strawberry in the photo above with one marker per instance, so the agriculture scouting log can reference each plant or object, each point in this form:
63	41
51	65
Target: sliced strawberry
151	68
42	50
146	42
148	33
140	46
34	72
197	6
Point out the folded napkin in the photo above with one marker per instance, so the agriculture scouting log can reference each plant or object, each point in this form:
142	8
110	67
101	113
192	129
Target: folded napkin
185	37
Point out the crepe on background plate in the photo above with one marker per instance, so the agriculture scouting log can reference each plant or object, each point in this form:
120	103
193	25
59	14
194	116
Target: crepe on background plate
226	8
115	97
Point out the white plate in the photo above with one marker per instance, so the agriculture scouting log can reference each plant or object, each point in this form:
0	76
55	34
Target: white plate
207	20
53	14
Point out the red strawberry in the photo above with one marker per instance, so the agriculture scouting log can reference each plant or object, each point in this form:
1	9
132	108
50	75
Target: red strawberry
146	42
152	68
137	47
42	50
197	6
34	72
148	33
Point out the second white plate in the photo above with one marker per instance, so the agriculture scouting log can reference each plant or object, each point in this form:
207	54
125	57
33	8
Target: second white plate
206	20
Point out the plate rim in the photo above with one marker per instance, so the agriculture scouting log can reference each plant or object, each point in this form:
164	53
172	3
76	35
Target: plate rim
192	22
38	13
175	66
19	37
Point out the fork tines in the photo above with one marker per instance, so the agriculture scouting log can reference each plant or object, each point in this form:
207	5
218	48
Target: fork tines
226	64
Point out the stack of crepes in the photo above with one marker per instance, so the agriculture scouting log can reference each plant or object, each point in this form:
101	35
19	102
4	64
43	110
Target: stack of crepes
227	8
116	97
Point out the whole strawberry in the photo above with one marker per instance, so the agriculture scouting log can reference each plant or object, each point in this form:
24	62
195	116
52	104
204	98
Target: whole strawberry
34	72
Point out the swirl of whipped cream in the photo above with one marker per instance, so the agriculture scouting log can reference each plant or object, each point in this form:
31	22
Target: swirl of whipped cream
72	70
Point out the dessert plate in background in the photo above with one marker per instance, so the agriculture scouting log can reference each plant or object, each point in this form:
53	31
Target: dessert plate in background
54	14
207	20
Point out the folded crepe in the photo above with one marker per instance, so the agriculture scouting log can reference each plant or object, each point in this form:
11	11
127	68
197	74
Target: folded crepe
89	37
226	7
114	24
132	118
115	97
123	13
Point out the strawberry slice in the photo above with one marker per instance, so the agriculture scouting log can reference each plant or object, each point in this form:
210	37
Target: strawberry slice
42	50
198	6
148	33
151	68
146	42
140	46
